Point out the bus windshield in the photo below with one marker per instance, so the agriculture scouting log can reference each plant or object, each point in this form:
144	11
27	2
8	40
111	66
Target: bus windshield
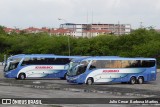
76	68
11	64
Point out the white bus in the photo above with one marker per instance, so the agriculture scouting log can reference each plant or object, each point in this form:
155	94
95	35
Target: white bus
37	66
111	69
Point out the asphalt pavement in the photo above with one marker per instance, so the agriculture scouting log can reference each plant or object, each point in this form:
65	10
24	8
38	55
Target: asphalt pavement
56	88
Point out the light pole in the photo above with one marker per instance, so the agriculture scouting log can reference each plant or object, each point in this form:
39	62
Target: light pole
68	37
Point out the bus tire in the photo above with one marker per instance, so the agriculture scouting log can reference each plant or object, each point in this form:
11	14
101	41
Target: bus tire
140	80
89	81
133	80
22	76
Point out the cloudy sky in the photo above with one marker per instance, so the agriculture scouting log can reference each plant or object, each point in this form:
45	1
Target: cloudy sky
45	13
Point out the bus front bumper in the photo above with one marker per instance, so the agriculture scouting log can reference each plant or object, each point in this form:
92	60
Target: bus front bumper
73	79
8	75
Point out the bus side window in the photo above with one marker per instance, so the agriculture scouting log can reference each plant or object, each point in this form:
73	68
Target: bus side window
66	60
148	63
23	63
81	69
111	64
26	61
135	63
93	65
116	64
126	63
107	64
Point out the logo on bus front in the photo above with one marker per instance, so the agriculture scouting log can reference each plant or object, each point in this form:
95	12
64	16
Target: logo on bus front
43	67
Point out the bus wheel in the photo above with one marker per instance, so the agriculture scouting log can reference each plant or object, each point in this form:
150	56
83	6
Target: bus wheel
133	80
89	81
140	80
22	76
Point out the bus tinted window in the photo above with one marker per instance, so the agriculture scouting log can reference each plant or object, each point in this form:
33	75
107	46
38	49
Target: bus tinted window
100	64
14	63
45	61
121	64
106	64
116	64
57	61
81	69
148	63
126	64
135	63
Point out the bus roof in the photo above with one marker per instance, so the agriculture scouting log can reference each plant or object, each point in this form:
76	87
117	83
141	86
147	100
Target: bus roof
41	56
111	58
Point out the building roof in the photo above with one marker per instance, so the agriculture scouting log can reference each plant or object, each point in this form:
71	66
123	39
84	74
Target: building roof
8	30
31	29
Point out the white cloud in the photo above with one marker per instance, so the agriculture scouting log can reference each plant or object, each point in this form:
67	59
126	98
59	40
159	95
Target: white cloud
39	13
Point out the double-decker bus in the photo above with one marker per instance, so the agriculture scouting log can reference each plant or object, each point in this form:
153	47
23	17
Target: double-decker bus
37	66
105	69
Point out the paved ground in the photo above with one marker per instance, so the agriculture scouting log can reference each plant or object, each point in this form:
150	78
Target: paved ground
55	88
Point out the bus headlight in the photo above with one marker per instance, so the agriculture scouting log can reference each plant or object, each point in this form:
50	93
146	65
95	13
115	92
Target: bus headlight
76	77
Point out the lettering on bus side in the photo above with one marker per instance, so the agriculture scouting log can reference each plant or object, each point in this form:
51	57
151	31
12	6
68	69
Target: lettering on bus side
43	67
110	70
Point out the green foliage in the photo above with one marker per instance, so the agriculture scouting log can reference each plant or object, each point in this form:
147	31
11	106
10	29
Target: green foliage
2	32
140	43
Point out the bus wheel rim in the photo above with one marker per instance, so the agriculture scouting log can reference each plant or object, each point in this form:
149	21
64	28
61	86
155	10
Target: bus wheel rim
89	81
22	76
140	80
133	81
